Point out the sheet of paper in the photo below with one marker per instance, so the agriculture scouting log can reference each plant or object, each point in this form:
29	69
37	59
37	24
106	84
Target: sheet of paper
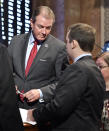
23	113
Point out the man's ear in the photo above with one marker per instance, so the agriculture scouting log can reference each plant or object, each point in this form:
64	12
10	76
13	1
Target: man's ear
73	44
31	23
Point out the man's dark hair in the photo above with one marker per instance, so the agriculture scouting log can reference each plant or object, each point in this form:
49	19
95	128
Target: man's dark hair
84	34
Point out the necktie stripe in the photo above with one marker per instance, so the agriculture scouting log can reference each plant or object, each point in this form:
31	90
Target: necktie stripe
31	58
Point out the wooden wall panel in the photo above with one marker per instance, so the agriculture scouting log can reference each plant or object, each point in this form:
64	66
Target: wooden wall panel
72	12
90	14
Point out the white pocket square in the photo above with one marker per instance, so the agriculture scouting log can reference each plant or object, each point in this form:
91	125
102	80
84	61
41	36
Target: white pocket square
42	60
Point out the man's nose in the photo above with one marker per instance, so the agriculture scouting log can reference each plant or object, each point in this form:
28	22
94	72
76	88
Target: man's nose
44	30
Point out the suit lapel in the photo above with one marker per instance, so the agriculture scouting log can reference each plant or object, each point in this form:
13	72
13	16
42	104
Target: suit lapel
24	45
42	51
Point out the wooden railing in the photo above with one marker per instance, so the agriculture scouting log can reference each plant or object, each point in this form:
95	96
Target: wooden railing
29	127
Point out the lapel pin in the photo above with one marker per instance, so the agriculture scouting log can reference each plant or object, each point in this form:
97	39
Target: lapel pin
46	45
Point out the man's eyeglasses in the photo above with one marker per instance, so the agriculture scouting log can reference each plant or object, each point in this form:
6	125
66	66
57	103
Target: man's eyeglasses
102	67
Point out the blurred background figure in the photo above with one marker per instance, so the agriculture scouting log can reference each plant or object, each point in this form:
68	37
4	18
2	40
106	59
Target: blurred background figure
103	63
9	112
106	46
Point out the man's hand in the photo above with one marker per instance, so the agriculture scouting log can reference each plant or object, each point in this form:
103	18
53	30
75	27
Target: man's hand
32	95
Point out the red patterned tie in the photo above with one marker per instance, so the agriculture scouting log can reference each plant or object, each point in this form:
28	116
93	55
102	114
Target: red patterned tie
31	57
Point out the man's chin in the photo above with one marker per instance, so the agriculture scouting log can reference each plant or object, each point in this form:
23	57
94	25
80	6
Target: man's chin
42	39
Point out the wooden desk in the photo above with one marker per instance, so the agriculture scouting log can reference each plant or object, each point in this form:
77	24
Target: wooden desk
29	127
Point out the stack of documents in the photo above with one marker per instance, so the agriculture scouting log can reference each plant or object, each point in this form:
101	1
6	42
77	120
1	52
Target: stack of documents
23	113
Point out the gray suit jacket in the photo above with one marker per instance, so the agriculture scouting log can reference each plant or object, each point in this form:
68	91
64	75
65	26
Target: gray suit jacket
78	101
45	69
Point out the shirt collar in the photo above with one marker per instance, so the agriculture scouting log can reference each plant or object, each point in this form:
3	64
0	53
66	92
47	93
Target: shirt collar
77	58
32	39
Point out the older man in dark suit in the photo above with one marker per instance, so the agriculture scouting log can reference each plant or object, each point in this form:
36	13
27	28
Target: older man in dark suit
10	119
38	59
78	101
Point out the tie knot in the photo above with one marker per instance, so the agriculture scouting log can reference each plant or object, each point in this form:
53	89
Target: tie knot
35	42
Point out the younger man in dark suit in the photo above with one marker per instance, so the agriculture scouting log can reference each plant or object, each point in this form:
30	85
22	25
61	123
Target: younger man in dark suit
10	119
78	101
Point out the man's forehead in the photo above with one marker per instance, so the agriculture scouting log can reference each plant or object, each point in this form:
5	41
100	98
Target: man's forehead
43	17
100	59
44	22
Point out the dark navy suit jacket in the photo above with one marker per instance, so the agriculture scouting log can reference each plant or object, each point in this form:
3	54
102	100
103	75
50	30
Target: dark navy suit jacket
10	119
78	101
